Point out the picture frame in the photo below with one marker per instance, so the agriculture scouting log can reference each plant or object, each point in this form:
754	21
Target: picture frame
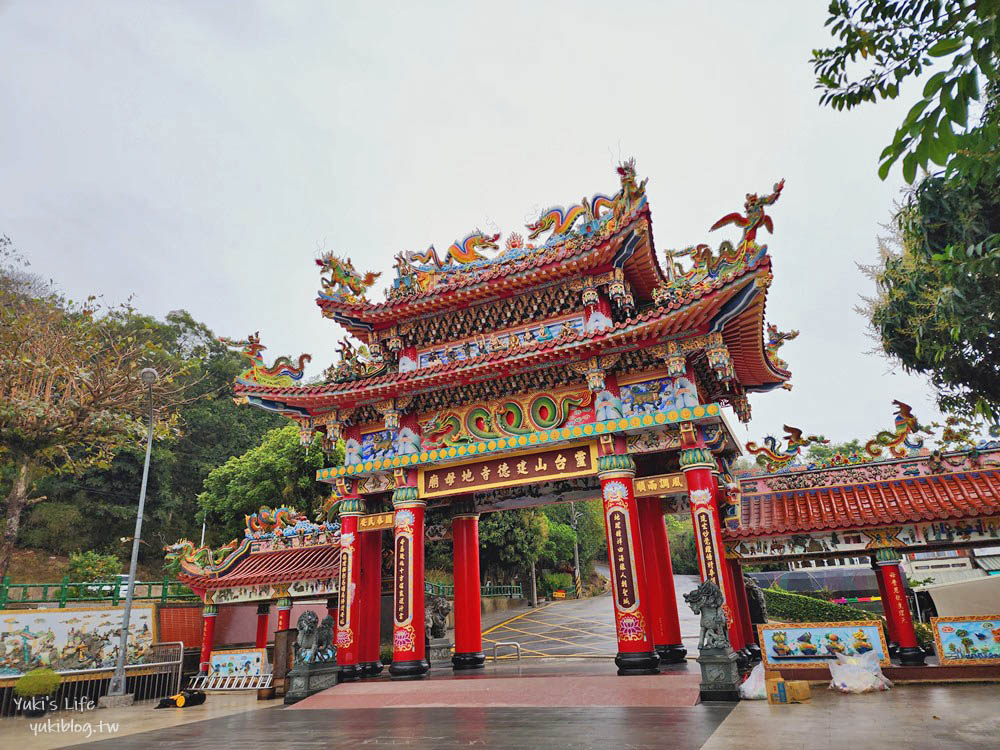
967	640
851	638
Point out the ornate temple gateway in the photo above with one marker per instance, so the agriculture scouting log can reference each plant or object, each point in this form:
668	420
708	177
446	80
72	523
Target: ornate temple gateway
567	365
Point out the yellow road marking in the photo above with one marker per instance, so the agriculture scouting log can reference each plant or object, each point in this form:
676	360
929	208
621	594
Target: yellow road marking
565	627
518	617
546	637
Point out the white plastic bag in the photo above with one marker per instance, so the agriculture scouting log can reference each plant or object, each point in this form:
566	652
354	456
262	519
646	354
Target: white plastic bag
753	687
858	674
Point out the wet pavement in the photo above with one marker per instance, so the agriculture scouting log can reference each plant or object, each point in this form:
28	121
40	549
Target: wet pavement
578	628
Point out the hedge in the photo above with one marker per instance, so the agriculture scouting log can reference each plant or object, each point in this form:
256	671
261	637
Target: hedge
785	606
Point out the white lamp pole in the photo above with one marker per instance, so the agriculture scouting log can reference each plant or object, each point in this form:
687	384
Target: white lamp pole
117	686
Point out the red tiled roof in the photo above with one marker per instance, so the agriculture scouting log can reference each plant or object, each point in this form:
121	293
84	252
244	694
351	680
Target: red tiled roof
568	257
281	566
742	334
939	497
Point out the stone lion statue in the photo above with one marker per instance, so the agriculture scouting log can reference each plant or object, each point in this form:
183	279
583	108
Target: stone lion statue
324	641
305	642
755	601
707	600
436	610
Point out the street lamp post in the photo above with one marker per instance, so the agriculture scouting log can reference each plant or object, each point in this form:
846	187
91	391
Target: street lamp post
577	583
117	686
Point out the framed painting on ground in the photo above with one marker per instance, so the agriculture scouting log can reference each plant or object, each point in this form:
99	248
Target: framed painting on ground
970	640
816	644
243	662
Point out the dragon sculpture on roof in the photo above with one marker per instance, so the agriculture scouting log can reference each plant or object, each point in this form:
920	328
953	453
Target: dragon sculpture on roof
775	340
902	437
776	457
344	282
282	373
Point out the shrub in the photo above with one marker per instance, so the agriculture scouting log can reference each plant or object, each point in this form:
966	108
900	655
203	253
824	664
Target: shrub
440	577
549	582
41	681
385	653
54	527
93	566
925	635
785	606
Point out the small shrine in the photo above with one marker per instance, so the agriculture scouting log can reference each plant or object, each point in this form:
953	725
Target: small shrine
512	371
282	556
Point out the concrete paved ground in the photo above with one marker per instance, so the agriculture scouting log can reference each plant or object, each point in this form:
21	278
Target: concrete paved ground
578	628
960	717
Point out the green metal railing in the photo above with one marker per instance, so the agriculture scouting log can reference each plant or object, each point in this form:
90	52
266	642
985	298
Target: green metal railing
448	591
67	591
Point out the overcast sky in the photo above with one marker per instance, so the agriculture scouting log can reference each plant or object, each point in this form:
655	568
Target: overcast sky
197	155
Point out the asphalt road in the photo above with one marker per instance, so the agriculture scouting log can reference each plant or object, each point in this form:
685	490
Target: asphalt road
580	628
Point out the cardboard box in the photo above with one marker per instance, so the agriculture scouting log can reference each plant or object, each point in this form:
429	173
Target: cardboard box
782	692
772	674
798	691
777	692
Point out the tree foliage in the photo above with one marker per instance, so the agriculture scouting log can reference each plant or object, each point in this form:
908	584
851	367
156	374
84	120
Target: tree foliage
70	391
96	508
278	471
938	298
510	541
900	39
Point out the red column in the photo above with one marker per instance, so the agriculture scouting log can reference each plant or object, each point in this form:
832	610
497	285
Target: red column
284	613
749	635
349	615
208	614
889	612
910	654
408	649
697	465
371	601
263	613
660	582
468	609
628	571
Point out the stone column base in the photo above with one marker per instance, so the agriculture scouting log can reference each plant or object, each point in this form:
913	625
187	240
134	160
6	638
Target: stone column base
720	675
673	653
115	701
306	679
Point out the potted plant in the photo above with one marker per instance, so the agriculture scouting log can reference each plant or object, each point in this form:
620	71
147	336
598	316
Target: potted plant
385	654
37	690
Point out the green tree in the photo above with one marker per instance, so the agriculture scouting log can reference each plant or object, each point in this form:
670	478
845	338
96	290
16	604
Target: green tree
510	541
210	430
900	39
818	452
92	566
279	471
589	531
70	392
938	294
683	554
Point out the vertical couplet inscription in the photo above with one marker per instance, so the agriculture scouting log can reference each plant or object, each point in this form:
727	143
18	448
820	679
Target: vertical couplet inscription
403	613
624	579
707	547
346	563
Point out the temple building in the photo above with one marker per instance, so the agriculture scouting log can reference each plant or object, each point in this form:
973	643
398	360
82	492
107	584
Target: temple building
568	365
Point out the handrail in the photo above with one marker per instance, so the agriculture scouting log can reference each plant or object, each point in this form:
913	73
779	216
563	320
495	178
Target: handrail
515	644
67	591
447	590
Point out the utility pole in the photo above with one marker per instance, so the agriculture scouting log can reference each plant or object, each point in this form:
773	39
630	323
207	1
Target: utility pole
577	583
116	689
534	587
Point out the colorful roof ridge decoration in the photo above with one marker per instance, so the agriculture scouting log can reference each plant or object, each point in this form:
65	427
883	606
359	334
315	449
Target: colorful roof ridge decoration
266	531
898	491
900	442
344	283
497	445
283	372
438	329
775	456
